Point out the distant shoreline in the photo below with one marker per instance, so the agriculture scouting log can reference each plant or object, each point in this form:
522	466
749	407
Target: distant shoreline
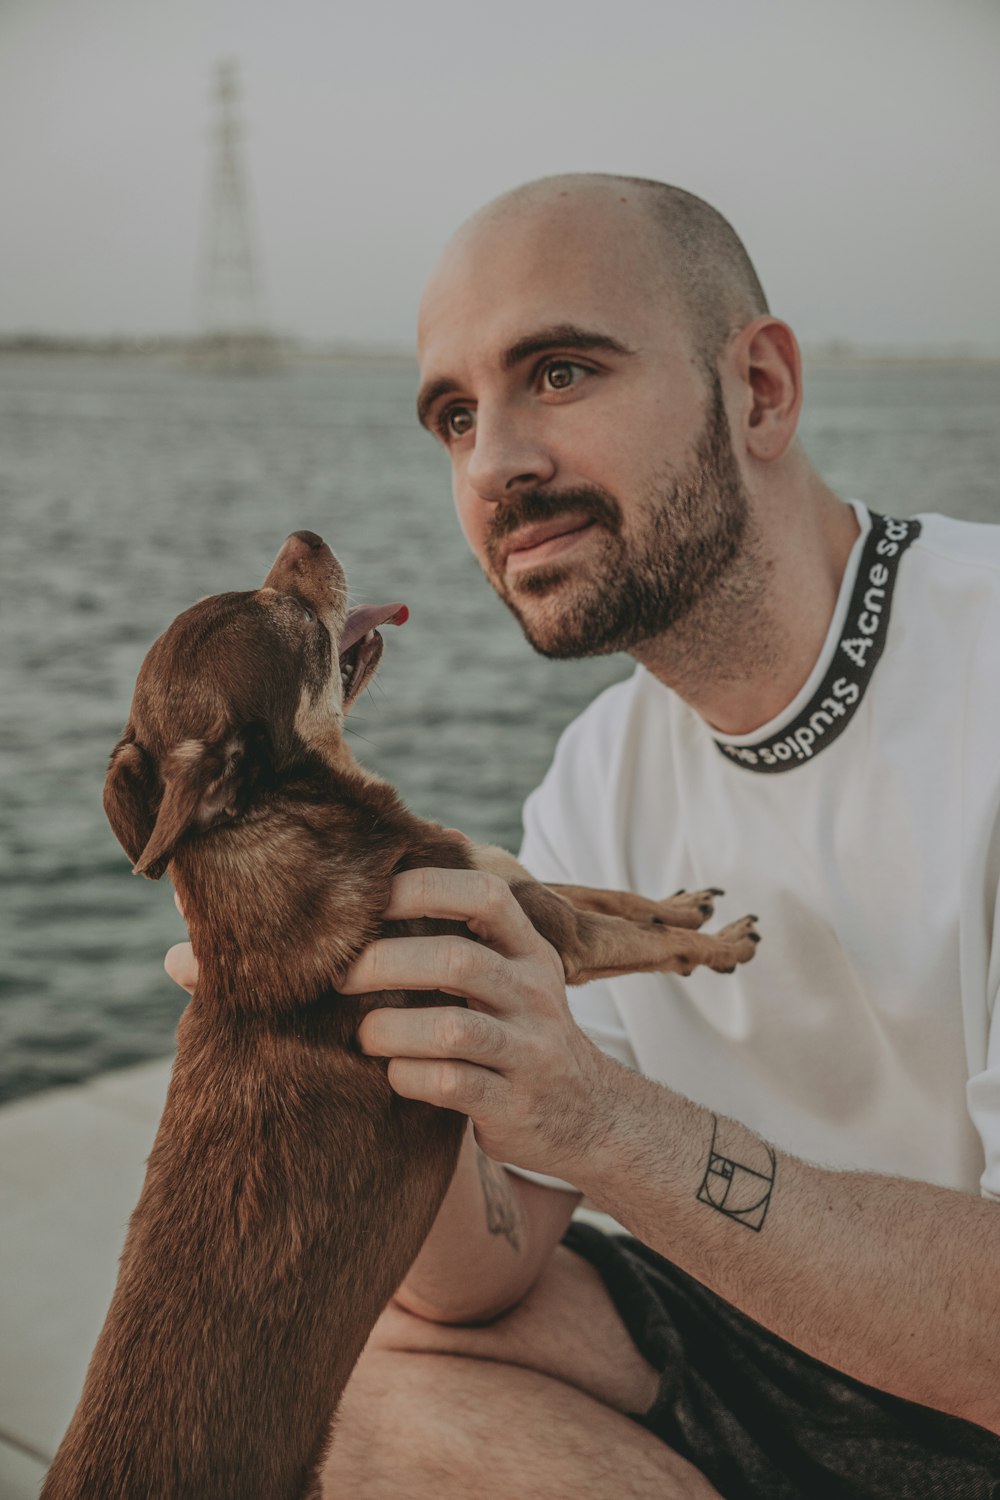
291	352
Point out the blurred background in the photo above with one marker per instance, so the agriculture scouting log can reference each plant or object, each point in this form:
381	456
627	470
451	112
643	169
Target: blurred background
215	221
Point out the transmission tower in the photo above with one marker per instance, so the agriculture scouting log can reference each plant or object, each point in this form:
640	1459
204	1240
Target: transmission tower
233	332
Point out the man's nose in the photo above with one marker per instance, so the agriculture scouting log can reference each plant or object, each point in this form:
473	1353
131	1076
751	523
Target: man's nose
506	455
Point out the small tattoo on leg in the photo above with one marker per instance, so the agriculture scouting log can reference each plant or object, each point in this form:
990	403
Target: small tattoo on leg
501	1210
740	1189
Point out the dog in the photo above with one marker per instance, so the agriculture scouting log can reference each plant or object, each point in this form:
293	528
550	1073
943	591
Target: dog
289	1189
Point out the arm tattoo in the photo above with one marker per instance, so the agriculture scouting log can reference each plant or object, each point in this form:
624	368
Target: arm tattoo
740	1189
501	1210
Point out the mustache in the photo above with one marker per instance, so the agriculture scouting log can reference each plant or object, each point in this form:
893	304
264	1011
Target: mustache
529	506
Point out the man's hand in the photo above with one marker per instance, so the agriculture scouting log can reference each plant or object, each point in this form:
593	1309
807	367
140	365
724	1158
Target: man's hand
180	962
515	1061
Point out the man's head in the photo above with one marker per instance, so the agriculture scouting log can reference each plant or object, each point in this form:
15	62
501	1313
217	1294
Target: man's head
574	342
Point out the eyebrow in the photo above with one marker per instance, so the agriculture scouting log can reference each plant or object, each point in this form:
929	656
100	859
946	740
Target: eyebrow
560	336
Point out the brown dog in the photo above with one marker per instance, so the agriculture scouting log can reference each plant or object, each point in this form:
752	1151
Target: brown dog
289	1189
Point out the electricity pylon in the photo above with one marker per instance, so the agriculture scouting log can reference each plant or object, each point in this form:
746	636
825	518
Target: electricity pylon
234	337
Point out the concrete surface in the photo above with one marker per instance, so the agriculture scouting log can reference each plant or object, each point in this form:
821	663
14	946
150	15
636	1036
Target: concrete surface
71	1166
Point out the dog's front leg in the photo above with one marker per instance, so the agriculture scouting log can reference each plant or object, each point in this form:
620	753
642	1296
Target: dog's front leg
595	945
600	934
686	909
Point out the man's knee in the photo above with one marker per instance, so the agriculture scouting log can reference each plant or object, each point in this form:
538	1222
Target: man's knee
440	1427
401	1332
417	1410
566	1328
387	1435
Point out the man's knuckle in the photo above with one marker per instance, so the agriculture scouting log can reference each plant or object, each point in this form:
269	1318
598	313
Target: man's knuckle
450	1030
449	1085
491	1032
483	1036
457	962
495	894
538	990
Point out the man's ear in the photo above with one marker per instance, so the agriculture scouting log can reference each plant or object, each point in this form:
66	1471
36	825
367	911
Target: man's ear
769	362
204	782
130	794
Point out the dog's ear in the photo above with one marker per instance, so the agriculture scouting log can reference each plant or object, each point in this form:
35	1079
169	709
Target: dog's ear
204	782
130	794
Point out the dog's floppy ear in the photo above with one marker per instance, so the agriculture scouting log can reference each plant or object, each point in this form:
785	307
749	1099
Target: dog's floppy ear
203	783
130	794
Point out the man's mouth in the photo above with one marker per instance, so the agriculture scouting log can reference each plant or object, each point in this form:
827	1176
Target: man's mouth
532	545
361	645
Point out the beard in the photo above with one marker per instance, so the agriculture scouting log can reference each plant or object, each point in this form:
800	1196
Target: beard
693	530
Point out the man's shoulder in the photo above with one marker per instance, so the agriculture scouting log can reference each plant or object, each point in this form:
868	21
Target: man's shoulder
943	651
952	595
945	543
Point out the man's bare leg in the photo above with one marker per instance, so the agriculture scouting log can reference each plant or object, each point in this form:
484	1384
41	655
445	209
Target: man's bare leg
532	1404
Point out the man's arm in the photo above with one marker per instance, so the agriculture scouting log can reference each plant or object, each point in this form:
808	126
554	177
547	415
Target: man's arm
897	1283
493	1235
892	1281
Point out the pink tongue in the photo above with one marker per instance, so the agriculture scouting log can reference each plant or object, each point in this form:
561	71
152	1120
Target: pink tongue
369	617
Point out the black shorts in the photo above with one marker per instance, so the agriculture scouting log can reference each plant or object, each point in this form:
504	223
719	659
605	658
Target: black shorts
762	1420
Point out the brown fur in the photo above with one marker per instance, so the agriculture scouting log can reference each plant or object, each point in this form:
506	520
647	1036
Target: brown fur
289	1189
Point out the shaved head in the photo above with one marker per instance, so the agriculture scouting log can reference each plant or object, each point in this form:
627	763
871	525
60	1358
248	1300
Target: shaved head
693	250
575	342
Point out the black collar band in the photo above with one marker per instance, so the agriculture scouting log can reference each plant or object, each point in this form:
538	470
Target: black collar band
835	701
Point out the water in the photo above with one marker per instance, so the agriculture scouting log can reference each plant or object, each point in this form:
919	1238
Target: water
131	488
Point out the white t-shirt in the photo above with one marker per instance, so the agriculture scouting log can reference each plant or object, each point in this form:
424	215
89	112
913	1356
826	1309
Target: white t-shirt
863	827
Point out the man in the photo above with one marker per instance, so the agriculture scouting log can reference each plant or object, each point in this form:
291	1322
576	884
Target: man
811	1301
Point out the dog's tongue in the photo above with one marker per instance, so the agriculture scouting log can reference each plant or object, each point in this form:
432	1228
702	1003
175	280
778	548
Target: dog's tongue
369	617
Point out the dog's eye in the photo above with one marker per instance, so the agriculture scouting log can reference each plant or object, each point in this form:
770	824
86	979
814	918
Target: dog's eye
308	614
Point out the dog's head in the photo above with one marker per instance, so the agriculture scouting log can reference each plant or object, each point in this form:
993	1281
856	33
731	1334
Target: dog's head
234	693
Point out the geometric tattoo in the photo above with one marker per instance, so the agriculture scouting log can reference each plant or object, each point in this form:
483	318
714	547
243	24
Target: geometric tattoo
737	1189
501	1209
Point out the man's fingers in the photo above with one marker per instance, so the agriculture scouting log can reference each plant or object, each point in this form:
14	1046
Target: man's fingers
454	965
448	1031
483	901
180	964
450	1085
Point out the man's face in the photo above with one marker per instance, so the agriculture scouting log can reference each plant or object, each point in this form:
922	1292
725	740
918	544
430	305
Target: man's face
592	466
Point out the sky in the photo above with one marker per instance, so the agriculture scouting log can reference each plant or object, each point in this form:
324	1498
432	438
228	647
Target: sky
852	143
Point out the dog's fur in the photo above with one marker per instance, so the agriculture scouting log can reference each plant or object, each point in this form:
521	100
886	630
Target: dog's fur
289	1189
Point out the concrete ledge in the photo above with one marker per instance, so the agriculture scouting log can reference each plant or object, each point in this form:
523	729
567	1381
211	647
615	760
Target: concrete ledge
71	1166
21	1475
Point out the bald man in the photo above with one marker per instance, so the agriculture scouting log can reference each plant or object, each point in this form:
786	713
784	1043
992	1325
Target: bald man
806	1154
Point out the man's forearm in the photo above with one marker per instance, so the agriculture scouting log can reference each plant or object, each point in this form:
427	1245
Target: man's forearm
892	1281
492	1236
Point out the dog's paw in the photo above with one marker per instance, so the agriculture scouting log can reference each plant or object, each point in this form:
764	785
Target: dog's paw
737	944
687	909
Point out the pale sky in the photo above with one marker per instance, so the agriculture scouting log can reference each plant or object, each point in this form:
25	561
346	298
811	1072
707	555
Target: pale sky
853	144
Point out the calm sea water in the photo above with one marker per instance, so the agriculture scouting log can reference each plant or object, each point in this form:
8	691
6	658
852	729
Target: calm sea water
131	488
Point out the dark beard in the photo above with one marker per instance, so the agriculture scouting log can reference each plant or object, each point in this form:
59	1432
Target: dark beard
641	586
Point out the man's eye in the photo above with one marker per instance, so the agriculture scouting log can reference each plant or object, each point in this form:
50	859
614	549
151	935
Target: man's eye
456	421
561	374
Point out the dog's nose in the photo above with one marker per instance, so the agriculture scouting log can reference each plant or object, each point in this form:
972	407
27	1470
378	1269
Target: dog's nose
310	538
304	561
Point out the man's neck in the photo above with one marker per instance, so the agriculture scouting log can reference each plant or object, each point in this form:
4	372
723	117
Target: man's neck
743	655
